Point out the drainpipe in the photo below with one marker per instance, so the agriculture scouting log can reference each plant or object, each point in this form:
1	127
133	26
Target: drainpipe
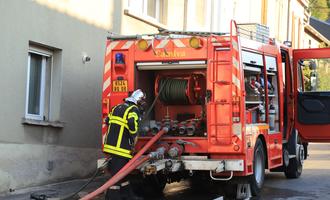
185	15
211	15
288	21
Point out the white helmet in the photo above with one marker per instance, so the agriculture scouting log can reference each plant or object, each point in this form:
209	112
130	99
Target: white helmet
137	97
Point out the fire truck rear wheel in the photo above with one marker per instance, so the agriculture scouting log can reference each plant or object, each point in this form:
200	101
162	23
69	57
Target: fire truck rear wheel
295	167
257	179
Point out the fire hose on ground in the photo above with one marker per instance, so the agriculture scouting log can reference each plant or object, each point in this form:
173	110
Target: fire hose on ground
135	162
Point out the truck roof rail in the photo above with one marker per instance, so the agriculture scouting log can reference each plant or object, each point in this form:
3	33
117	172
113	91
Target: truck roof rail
197	33
124	37
163	32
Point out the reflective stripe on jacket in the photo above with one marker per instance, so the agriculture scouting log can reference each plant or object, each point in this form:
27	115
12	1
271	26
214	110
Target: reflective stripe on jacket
123	126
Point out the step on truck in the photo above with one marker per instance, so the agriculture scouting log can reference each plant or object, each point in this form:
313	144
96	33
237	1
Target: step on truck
235	104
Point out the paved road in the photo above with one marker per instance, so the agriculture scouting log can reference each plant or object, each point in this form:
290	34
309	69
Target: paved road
313	184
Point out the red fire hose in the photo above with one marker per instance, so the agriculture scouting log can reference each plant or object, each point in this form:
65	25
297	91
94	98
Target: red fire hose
130	166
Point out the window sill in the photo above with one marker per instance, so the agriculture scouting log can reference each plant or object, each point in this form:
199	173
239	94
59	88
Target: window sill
145	19
54	124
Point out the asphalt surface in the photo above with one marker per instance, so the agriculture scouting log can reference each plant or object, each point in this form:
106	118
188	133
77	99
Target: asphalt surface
313	184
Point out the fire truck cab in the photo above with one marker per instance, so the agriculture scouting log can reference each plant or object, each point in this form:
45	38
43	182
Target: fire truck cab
235	104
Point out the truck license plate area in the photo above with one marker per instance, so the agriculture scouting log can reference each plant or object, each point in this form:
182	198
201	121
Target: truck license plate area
119	86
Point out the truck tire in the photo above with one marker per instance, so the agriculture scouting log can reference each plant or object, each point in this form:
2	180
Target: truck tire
294	169
257	179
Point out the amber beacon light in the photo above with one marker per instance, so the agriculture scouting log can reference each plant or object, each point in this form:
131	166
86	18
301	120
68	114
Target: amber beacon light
143	44
195	42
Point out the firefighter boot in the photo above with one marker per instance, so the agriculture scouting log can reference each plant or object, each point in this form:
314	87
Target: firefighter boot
113	193
127	192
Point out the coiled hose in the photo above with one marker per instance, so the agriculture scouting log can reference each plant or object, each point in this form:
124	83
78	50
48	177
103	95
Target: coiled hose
174	92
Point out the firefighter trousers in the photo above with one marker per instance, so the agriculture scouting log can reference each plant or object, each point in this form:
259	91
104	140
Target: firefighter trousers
122	190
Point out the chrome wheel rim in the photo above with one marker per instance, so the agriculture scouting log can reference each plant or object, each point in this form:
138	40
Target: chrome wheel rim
258	168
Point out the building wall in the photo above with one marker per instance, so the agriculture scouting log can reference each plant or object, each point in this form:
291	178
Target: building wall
37	154
277	19
285	18
310	41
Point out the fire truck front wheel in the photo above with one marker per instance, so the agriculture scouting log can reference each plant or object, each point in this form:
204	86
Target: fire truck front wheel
258	177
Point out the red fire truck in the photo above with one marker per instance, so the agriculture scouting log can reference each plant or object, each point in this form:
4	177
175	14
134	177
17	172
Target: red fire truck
235	104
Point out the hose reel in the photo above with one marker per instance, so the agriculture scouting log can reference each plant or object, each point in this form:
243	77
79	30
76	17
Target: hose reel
181	90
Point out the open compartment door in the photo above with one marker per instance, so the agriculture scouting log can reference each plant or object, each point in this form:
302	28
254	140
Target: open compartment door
312	93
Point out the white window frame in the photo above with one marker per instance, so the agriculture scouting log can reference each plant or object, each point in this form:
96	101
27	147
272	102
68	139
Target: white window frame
144	6
139	10
45	55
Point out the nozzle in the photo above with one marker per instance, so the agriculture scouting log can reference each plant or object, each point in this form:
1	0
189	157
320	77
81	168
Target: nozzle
175	150
155	128
158	154
191	130
174	126
165	129
182	130
167	124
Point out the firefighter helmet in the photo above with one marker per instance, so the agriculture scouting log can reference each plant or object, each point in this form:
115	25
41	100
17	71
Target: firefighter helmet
137	97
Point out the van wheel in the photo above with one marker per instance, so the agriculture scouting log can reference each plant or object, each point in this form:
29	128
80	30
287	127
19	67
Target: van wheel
294	169
257	179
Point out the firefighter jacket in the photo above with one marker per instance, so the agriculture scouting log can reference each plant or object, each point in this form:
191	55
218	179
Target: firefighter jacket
123	126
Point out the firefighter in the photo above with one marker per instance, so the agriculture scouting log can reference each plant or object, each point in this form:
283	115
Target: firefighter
119	142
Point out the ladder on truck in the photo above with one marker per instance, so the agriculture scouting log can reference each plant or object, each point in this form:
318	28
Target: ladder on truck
226	83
